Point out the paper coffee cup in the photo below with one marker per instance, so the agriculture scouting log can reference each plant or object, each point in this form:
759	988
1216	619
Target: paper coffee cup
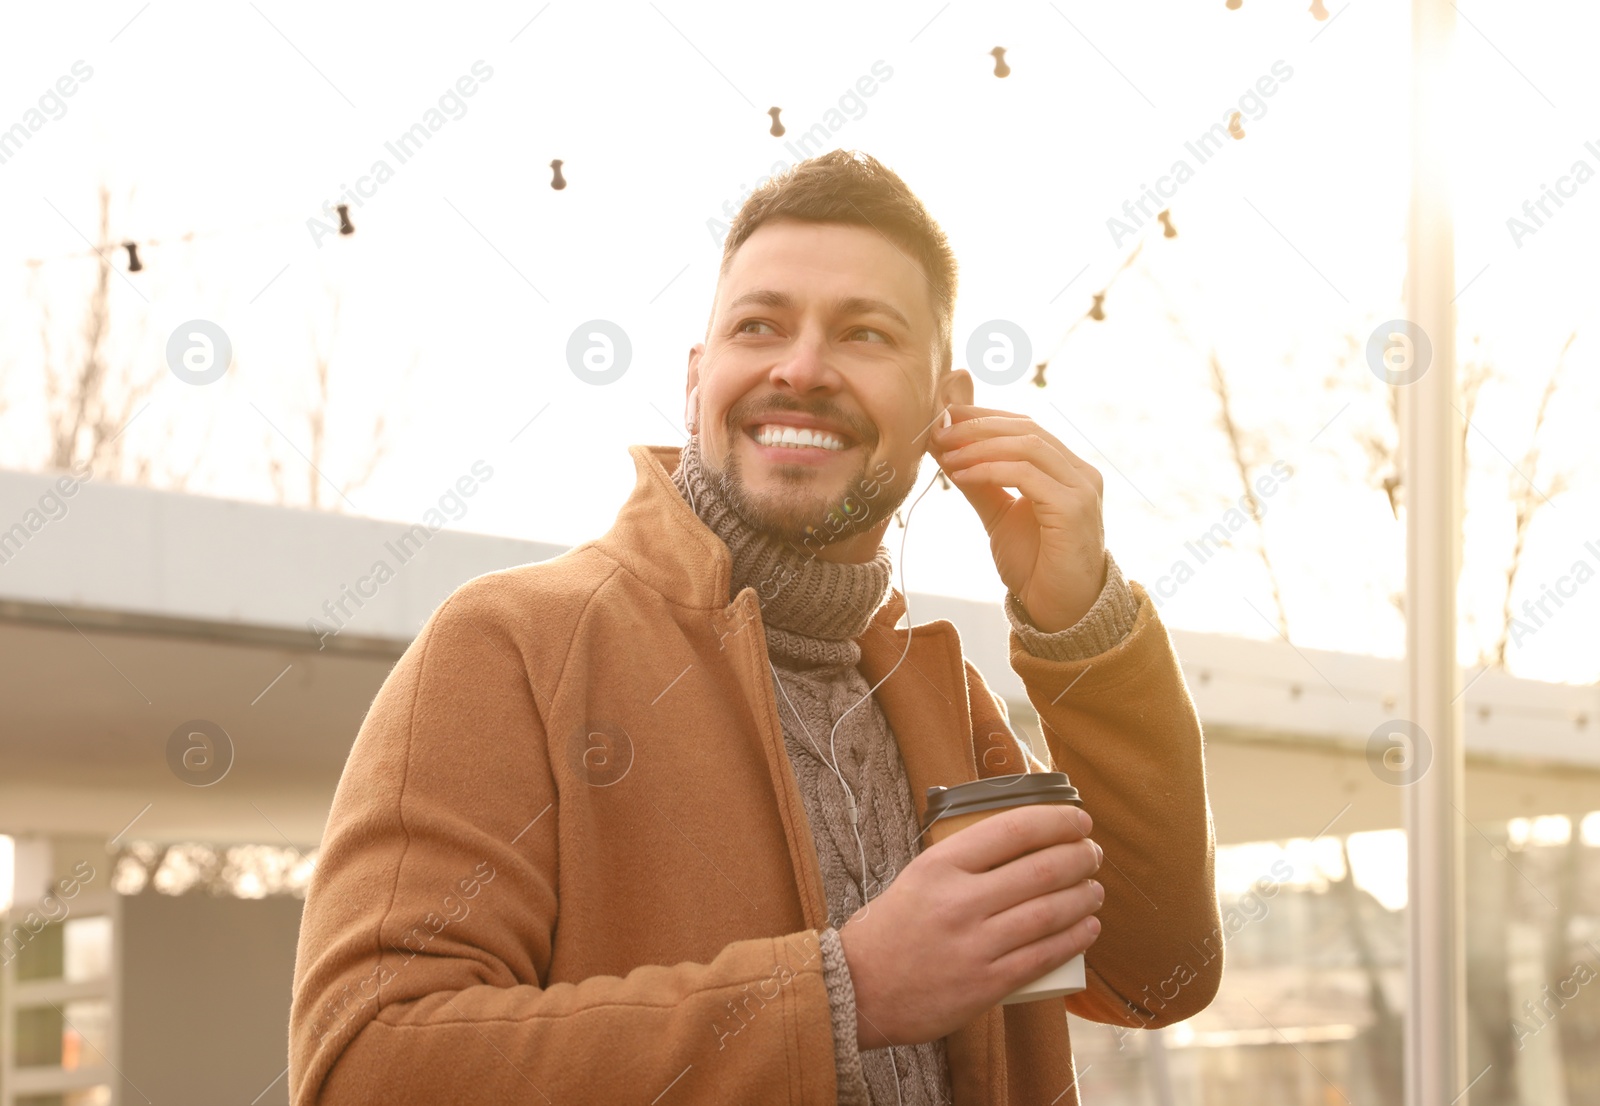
952	809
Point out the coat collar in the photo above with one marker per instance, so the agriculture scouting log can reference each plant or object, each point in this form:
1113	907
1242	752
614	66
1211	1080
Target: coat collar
660	539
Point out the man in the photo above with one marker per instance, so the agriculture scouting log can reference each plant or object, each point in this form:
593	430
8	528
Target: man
641	823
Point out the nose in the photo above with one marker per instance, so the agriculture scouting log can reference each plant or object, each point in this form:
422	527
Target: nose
804	368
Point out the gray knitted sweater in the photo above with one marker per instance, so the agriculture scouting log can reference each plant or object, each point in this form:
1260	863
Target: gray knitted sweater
844	757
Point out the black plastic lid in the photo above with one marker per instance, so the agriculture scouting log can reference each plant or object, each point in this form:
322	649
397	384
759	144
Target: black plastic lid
996	792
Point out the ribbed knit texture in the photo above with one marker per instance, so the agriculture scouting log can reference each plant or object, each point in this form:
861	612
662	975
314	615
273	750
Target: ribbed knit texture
1101	628
832	726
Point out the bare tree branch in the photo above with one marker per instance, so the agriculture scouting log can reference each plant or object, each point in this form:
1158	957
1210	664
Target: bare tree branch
274	471
1527	499
380	438
84	392
87	404
1236	448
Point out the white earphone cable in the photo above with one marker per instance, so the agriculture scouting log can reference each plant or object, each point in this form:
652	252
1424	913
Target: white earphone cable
833	747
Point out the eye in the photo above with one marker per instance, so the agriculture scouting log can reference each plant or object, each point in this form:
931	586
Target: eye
740	329
882	337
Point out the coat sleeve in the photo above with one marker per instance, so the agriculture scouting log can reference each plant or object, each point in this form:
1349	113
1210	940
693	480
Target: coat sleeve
1123	728
426	941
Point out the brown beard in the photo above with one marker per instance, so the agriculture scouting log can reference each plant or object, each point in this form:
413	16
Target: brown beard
867	499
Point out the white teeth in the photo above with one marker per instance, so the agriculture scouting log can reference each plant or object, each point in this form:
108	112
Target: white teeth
774	434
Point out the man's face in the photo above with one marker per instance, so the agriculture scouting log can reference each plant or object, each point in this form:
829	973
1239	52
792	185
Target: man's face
827	326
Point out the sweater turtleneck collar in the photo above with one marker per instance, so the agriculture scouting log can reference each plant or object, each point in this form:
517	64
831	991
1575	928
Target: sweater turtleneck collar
811	609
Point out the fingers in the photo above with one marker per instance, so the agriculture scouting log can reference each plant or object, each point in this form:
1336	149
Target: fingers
1047	924
1012	833
975	424
1037	873
1021	445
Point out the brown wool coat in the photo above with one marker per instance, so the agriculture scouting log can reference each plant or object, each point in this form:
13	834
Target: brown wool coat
567	860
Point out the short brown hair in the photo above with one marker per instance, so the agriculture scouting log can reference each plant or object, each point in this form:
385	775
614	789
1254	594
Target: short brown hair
857	189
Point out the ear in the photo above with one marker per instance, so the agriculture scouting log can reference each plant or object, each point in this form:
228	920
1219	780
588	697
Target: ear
956	387
696	351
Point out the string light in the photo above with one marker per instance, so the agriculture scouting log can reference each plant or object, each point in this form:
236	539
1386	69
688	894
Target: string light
137	263
1096	310
129	245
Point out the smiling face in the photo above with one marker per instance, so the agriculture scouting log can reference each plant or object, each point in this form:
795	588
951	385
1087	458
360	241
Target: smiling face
826	326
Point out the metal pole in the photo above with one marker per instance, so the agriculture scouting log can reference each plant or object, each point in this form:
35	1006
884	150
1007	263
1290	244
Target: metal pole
1435	1036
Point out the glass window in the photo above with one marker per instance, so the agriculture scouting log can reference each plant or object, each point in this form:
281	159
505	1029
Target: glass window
87	1096
86	948
36	946
71	1035
1312	1004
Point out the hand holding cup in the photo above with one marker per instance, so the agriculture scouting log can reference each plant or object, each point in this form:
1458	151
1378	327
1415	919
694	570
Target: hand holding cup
976	919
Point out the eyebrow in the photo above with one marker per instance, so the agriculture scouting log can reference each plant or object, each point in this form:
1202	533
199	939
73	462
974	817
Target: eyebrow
847	305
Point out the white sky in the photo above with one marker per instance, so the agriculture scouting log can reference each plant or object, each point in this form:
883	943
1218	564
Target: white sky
243	119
